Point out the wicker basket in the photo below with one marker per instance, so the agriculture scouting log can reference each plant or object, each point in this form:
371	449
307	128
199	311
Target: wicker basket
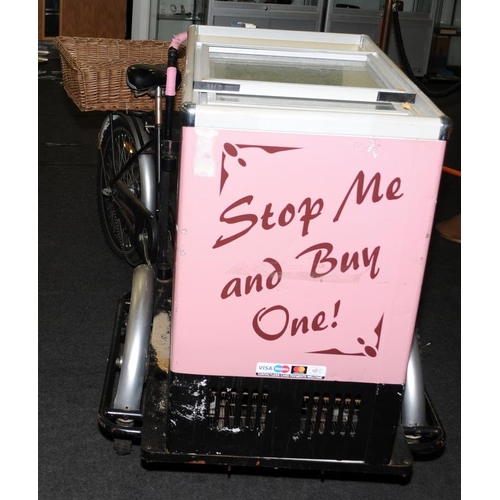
94	71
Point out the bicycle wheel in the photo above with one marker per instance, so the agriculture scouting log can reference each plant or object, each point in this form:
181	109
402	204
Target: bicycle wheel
117	148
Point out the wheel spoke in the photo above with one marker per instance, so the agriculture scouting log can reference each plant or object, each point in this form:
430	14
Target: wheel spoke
116	152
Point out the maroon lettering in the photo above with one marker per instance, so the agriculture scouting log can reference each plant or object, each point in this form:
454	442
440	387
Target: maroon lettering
373	186
286	215
250	218
318	322
281	321
323	263
349	261
371	260
299	324
257	320
253	283
320	259
266	216
274	278
310	213
393	188
308	209
232	287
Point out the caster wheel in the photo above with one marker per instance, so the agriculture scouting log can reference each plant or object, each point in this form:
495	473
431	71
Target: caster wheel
122	446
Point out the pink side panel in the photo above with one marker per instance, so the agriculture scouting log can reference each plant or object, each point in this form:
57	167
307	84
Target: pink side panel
300	250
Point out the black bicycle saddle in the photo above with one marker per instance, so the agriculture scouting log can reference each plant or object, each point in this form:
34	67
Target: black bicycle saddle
141	77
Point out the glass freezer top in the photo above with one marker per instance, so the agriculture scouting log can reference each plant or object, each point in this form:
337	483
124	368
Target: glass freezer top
259	71
345	67
288	67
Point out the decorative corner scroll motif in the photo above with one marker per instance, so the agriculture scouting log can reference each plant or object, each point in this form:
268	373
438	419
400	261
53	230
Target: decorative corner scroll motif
233	150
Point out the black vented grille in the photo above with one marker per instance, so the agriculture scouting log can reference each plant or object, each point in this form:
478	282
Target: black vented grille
275	417
330	414
232	409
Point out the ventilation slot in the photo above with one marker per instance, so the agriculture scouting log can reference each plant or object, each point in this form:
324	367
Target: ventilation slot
321	414
345	415
232	409
322	417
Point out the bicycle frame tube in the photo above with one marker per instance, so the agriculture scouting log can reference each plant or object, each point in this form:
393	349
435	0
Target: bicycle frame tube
135	352
414	407
146	161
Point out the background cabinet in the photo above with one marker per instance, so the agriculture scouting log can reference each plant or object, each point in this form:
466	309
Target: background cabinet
416	20
301	15
445	58
89	18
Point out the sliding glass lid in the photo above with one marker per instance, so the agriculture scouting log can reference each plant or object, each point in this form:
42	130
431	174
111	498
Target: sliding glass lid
283	72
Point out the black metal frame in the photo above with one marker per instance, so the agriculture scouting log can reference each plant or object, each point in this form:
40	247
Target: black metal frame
428	440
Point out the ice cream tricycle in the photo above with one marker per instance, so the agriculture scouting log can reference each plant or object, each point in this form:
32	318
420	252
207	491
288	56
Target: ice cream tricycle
278	226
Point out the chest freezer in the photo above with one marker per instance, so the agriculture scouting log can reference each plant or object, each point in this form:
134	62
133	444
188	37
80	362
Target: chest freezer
309	172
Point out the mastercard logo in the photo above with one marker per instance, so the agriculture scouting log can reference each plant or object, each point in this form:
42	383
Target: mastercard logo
299	369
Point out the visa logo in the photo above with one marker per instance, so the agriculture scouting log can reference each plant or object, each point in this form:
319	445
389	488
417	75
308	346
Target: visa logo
265	368
273	368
